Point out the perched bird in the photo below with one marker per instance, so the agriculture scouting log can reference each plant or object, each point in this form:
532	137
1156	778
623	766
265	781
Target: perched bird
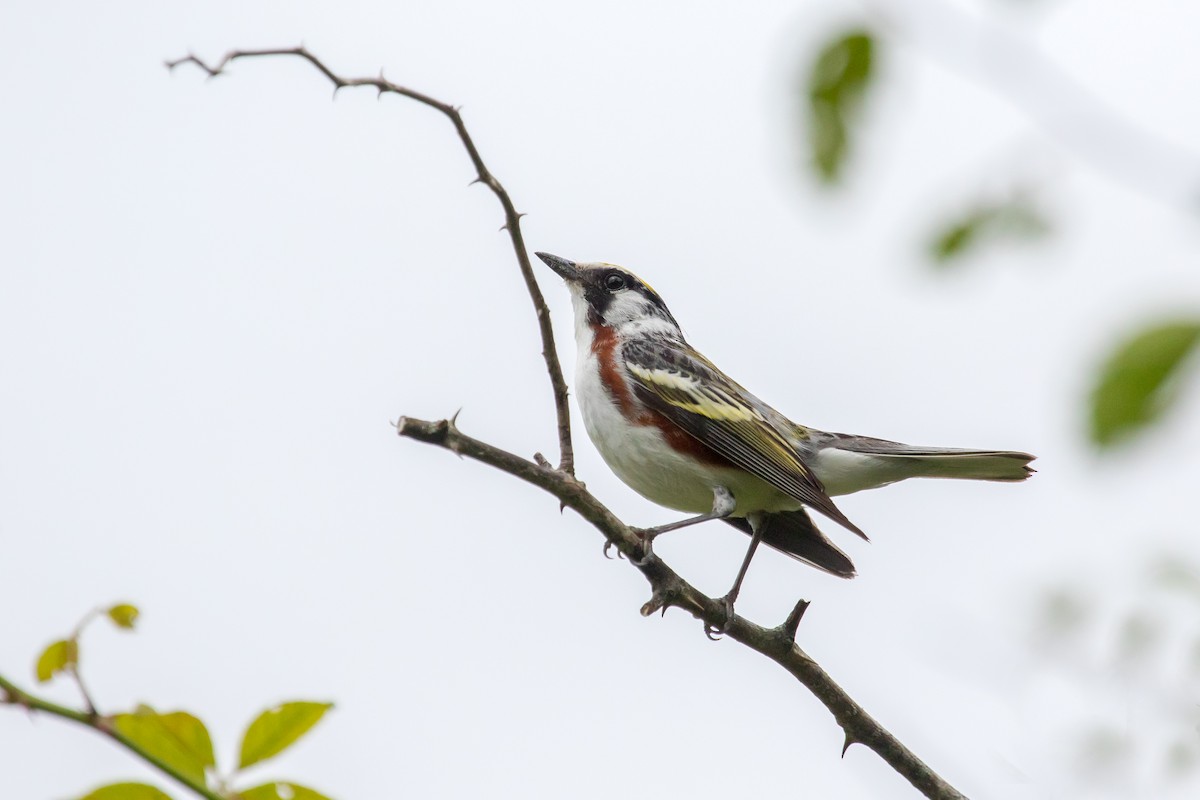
683	434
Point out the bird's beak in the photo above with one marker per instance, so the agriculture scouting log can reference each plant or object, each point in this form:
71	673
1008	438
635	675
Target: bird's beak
565	269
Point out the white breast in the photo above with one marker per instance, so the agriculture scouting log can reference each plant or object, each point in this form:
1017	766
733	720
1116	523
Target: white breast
641	457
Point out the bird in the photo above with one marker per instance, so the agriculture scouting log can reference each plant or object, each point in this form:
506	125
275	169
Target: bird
683	434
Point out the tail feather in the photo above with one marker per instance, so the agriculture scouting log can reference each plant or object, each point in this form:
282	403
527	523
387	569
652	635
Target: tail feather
940	462
793	533
978	465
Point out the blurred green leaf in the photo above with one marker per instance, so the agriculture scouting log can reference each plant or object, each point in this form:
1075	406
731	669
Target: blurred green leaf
956	237
123	615
836	85
278	728
280	790
1134	387
57	657
1175	573
1062	615
177	738
827	138
1104	750
1181	758
1137	636
1014	219
127	791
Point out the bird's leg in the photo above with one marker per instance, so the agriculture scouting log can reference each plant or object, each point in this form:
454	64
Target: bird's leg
723	506
758	525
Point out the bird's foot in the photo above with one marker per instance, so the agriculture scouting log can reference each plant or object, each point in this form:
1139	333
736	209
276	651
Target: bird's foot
647	535
715	632
608	546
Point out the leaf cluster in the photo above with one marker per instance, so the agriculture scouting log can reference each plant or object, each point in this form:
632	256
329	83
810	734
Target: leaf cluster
178	742
1139	379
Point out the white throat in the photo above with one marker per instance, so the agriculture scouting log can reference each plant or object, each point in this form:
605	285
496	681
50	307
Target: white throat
627	315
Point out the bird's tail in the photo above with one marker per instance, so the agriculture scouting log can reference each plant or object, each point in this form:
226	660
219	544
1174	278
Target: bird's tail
908	461
793	533
975	465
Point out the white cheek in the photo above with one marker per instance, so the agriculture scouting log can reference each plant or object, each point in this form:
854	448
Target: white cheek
624	307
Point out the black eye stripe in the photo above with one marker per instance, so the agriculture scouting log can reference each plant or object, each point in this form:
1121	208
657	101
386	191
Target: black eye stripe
602	285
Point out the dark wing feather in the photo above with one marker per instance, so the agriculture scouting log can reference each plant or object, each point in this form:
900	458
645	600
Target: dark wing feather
793	533
883	447
689	391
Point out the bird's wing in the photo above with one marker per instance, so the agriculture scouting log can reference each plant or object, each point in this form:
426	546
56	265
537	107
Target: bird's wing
793	533
690	392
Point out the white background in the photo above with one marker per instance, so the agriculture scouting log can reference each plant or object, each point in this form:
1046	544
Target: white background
216	295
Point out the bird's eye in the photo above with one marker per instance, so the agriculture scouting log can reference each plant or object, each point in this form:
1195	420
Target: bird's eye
615	282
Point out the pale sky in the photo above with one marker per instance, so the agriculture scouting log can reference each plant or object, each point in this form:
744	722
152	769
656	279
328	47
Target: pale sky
215	295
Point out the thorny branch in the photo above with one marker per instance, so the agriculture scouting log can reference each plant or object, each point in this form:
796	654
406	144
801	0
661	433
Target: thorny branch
668	588
512	218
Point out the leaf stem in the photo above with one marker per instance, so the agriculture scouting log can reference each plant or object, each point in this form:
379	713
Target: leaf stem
12	694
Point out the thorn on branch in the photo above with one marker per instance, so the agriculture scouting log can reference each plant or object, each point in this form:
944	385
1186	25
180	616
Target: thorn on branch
663	598
850	739
788	629
454	113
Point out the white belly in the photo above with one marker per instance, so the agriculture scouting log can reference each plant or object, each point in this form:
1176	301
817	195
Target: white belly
845	472
641	457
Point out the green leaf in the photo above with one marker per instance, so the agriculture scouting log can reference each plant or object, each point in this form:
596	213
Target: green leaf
957	236
124	615
177	738
836	85
57	657
1014	219
1136	382
280	790
127	791
278	728
827	138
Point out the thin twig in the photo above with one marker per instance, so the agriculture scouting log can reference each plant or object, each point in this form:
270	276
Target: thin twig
669	589
14	695
73	669
512	218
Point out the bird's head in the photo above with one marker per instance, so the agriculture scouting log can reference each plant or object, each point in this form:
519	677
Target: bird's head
605	294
